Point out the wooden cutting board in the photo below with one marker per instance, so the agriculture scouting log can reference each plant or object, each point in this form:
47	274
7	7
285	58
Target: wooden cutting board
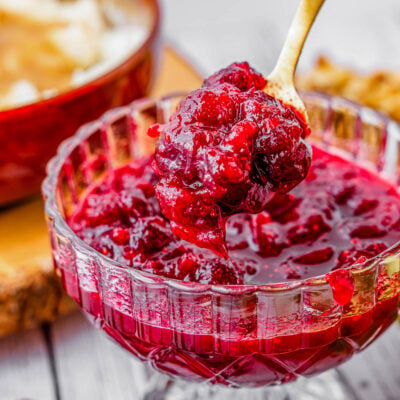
30	293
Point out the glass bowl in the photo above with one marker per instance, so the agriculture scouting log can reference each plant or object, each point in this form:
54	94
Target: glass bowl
30	134
237	336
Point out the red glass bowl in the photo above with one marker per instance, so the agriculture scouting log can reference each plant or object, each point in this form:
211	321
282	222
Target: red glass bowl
239	336
29	135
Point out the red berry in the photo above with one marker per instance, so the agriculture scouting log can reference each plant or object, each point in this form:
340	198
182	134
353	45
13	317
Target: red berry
342	284
154	131
120	236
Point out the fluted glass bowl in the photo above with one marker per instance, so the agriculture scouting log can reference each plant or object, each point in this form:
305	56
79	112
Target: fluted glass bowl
250	335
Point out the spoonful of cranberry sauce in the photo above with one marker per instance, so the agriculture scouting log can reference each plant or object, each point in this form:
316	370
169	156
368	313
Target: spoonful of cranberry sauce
234	143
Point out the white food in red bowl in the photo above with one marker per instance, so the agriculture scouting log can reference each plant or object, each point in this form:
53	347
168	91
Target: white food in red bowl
74	42
64	63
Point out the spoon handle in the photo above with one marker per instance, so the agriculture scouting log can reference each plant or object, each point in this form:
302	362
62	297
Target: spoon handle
290	53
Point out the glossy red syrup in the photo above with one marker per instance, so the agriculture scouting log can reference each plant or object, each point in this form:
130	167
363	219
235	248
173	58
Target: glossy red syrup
227	149
339	215
241	358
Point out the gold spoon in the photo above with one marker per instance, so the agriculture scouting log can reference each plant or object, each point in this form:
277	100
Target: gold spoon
280	83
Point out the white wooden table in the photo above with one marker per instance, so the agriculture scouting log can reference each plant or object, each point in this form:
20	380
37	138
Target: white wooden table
69	360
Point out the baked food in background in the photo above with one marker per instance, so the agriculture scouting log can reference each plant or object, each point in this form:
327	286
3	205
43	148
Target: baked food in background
379	89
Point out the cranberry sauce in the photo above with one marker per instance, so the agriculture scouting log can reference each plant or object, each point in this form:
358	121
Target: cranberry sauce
227	149
246	361
339	215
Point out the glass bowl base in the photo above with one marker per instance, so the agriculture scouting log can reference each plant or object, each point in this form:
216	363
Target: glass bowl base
162	387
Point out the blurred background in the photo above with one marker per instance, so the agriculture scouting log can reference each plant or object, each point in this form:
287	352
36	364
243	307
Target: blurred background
360	33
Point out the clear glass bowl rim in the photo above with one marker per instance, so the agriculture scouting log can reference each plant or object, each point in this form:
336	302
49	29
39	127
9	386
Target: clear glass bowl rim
52	211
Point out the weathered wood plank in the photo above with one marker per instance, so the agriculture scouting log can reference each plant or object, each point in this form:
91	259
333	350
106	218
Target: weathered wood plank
25	371
375	373
327	386
90	366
